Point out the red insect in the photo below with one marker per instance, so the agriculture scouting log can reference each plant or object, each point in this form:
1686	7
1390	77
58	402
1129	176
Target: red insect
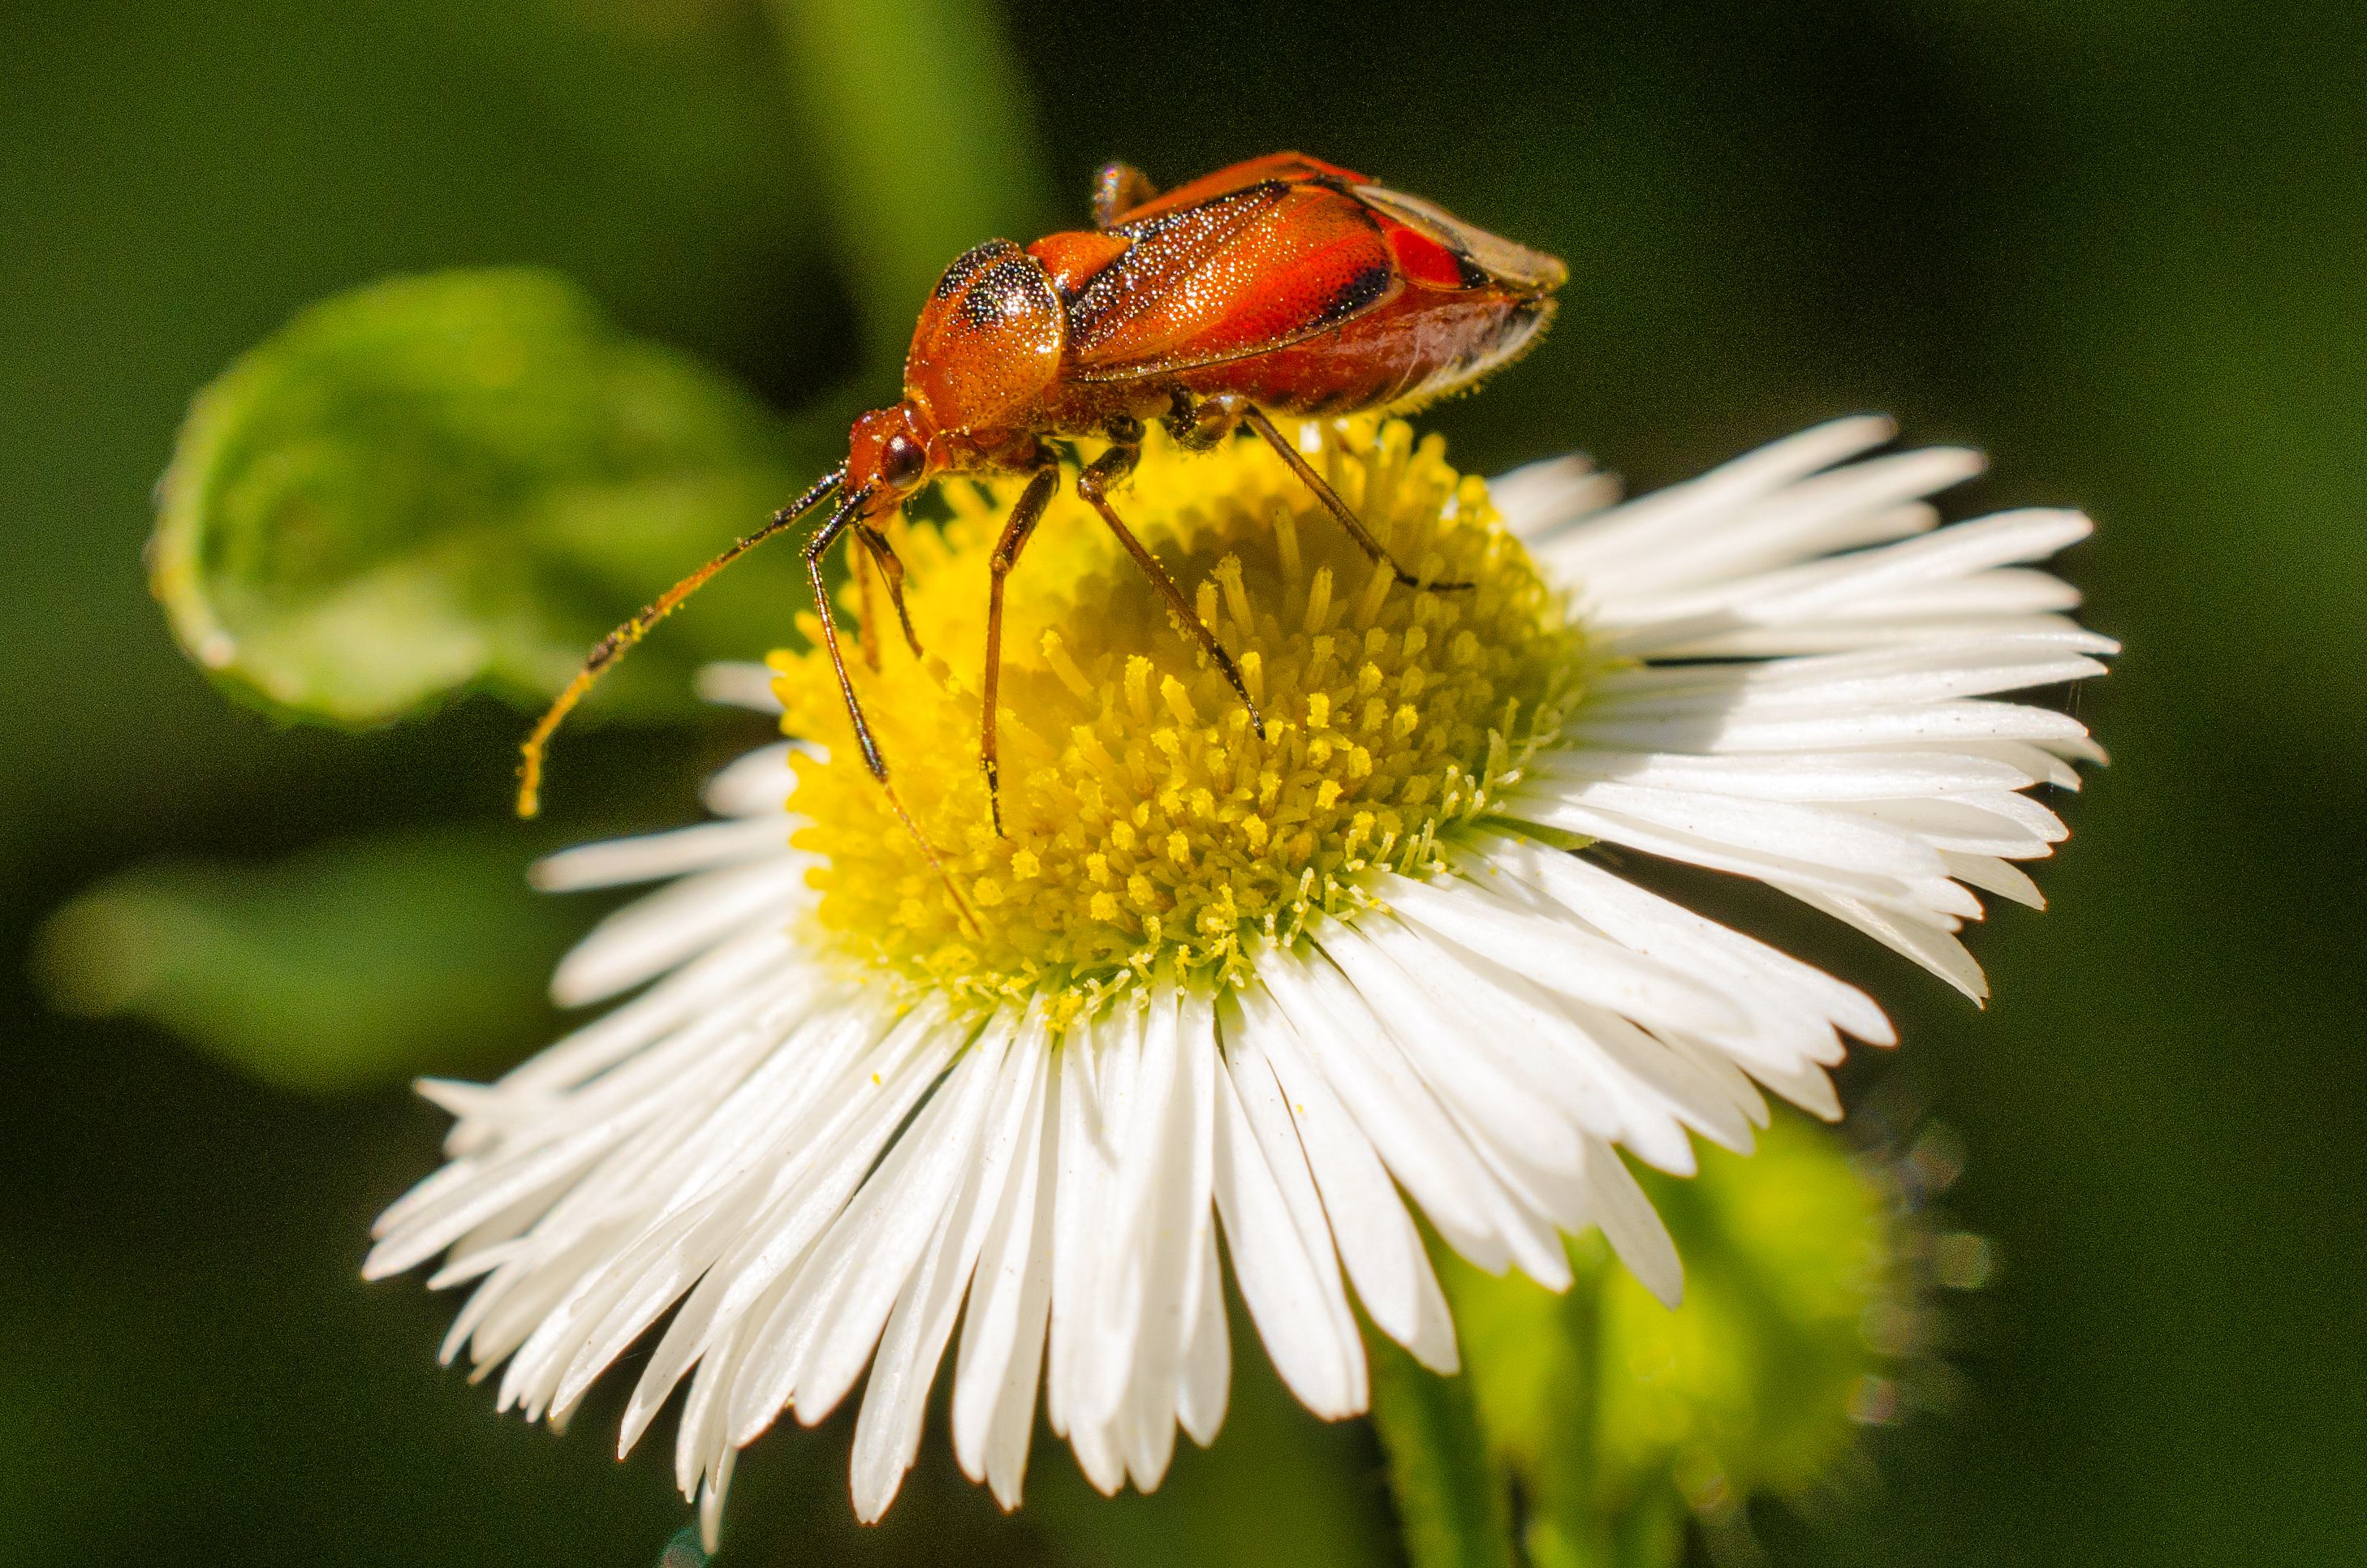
1283	285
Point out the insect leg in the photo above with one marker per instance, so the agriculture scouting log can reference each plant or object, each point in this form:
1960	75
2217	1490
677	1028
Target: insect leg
816	547
1024	515
867	632
1094	484
1202	425
891	568
1374	549
614	646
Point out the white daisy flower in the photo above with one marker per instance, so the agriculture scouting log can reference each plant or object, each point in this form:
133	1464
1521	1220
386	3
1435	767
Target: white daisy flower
1270	990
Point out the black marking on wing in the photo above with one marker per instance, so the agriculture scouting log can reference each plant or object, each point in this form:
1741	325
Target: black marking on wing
1352	297
1250	199
1505	265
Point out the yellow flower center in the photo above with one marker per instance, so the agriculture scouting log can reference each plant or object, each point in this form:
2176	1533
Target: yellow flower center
1147	824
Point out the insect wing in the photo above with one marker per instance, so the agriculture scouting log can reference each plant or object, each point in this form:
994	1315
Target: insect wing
1516	268
1289	168
1240	275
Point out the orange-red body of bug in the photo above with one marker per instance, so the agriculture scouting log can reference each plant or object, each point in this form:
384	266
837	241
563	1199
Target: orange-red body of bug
1295	284
1283	285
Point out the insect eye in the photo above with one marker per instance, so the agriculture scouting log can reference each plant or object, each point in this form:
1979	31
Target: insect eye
901	462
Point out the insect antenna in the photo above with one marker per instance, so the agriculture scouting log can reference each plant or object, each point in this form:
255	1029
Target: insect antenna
613	646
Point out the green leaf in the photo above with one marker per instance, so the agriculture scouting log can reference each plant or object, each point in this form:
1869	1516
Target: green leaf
460	480
925	138
356	963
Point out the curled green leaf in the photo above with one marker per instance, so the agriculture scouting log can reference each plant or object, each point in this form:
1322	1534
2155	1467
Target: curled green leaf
458	481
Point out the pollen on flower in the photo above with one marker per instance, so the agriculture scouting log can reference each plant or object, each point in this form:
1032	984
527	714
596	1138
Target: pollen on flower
1148	824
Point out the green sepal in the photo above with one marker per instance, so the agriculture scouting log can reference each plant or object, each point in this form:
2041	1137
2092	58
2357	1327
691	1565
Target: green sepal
1618	1419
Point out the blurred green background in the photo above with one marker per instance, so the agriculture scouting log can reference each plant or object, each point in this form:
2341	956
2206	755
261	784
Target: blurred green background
2122	245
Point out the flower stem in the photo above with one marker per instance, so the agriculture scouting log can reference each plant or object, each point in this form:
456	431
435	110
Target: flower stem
1450	1495
1566	1527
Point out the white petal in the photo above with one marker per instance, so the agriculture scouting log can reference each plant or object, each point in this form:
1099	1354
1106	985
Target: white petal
1659	928
1942	665
1640	526
1898	623
1838	840
1561	955
1542	500
1202	1391
1632	1225
647	938
706	981
646	859
710	1500
1176	1212
738	684
1771	866
1993	876
1934	950
1824	587
887	1432
1003	1330
1802	776
756	785
1512	1228
1459	1075
1015	1403
1923	725
1979	825
831	1307
1098	1067
1298	1303
801	1200
701	1450
1843	509
705	1195
860	1267
1390	1104
1379	1245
